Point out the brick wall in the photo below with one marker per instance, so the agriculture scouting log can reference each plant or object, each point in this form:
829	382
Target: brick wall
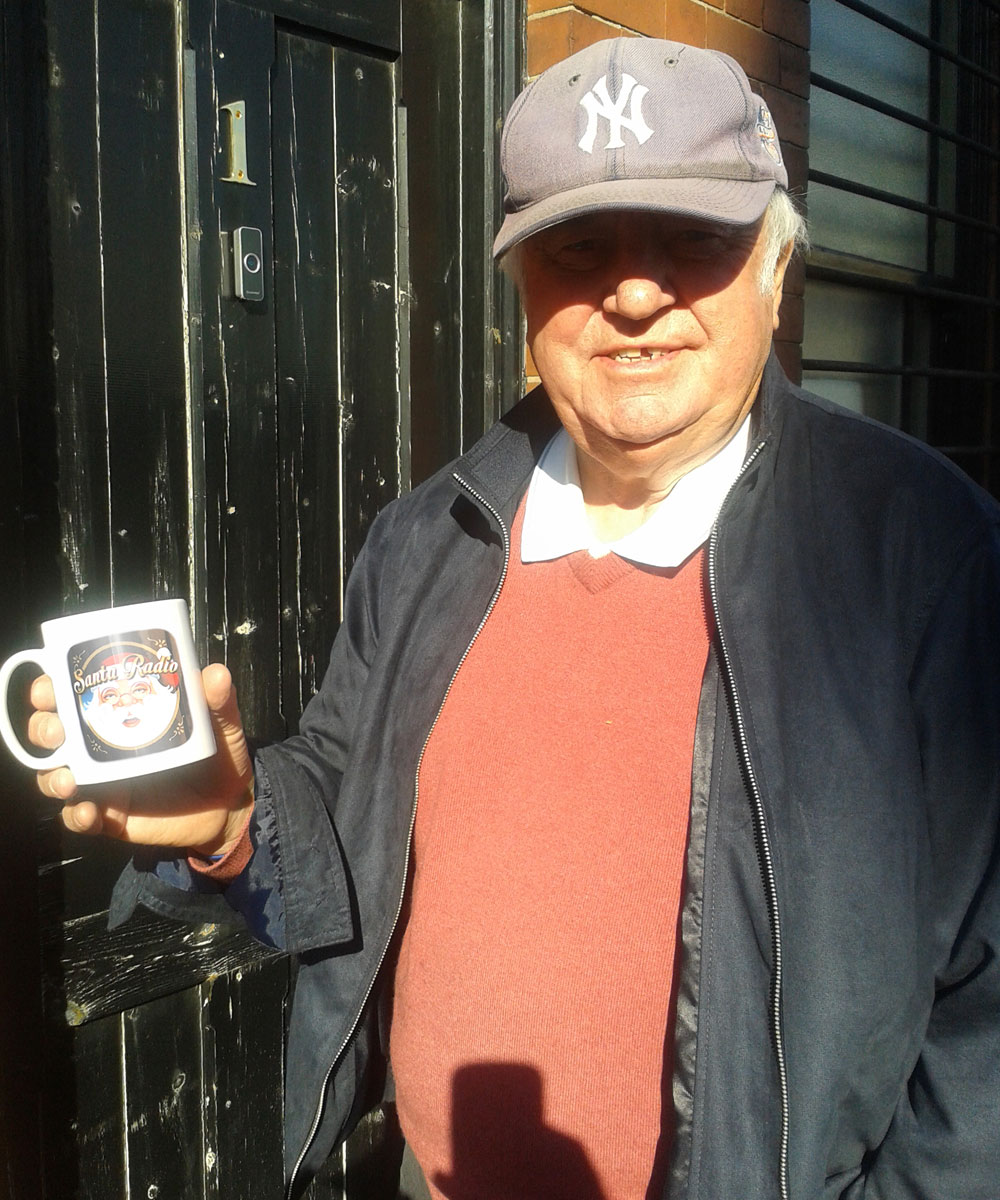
770	38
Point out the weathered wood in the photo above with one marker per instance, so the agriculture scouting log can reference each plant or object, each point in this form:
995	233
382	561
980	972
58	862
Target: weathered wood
166	1151
365	97
465	330
77	322
148	957
166	437
235	52
243	1036
374	23
144	364
26	528
307	310
83	1072
434	118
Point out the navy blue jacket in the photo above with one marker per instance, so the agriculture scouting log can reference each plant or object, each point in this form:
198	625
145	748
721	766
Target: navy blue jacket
838	1029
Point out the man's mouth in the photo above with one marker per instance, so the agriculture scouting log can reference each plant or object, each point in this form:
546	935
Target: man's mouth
640	354
130	722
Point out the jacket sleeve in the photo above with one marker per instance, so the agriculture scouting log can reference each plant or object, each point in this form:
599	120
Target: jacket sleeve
944	1140
294	892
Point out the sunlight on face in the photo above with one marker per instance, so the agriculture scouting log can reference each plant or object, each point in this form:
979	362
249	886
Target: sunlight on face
650	334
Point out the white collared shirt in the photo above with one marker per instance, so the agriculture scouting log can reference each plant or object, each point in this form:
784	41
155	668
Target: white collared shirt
555	519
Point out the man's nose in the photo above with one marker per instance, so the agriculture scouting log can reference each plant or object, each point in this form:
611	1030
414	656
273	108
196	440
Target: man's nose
126	698
641	294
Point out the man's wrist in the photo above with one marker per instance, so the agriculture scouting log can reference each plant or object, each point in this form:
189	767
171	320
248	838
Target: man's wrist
234	830
229	860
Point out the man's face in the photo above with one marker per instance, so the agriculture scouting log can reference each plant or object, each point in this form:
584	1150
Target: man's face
650	334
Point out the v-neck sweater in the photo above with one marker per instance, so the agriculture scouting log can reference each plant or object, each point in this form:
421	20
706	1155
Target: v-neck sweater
548	860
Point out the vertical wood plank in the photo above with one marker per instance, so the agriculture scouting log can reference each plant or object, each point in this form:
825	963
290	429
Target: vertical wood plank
235	51
243	1036
28	523
493	367
434	115
306	318
114	198
78	306
365	131
141	230
166	1154
84	1112
503	348
458	75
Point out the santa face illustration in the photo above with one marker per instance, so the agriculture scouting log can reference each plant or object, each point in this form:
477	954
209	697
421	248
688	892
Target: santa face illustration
130	711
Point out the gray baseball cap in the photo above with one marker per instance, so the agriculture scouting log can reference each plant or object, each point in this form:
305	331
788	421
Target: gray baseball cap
637	123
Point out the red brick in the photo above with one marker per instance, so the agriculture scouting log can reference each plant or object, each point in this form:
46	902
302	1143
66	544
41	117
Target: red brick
791	115
789	19
685	21
553	37
794	68
637	15
679	20
754	50
750	11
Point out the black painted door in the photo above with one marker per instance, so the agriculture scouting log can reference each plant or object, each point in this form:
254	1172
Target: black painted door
167	436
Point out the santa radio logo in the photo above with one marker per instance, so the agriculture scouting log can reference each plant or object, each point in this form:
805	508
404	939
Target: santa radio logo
129	694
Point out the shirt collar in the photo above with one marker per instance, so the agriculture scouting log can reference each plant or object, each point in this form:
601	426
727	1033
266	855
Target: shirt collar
555	520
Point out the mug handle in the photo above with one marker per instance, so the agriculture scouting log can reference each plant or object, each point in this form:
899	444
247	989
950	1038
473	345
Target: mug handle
35	761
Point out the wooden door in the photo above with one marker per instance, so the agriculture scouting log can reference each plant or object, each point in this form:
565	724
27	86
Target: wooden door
164	436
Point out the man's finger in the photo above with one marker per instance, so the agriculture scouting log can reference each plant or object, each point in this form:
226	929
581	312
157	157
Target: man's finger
42	694
84	817
45	730
220	694
58	784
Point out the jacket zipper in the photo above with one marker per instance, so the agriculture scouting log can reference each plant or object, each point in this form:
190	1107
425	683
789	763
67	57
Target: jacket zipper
761	838
413	819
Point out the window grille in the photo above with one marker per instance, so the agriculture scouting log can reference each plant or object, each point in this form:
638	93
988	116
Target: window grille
901	315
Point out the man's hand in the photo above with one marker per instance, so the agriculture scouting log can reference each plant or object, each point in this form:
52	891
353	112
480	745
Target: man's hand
200	808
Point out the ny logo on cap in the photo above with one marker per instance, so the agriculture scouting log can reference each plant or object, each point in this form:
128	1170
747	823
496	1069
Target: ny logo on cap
598	104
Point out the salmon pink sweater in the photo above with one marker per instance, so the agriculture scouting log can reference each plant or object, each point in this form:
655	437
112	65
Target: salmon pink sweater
534	989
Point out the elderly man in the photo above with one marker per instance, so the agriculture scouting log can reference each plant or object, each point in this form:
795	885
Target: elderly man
647	815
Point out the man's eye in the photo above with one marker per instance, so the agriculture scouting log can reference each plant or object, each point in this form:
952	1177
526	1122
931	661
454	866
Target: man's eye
700	243
580	254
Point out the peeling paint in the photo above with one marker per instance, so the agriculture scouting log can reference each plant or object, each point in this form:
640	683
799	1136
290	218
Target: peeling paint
76	1014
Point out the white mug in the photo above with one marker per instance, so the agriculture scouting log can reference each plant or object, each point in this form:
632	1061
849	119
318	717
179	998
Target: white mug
128	692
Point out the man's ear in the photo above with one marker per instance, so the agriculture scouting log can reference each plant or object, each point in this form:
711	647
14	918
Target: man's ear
779	282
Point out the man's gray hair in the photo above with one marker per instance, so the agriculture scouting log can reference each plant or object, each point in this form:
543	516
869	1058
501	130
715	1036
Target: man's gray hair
783	225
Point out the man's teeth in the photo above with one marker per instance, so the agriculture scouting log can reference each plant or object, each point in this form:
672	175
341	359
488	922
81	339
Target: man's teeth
635	355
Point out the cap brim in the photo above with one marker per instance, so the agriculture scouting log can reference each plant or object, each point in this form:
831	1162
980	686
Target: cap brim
729	201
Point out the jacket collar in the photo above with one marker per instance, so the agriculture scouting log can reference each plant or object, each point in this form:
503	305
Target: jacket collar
499	465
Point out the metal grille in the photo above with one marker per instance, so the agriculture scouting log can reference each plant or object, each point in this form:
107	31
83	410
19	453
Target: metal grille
906	219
